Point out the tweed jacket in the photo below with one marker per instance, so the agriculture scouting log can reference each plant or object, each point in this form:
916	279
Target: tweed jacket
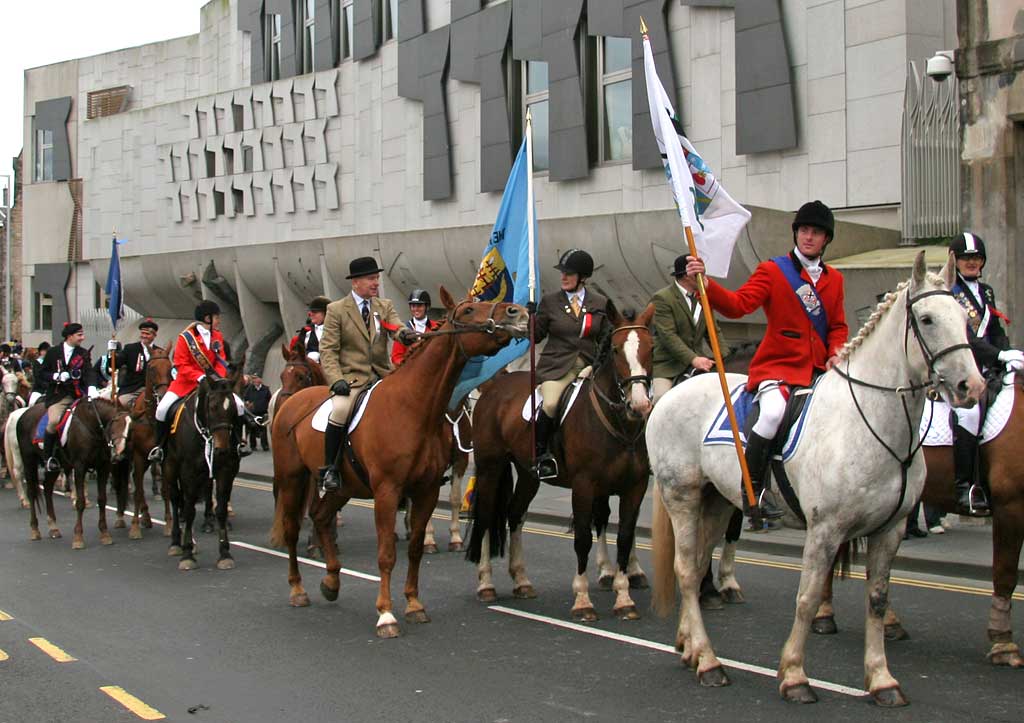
351	352
563	330
678	340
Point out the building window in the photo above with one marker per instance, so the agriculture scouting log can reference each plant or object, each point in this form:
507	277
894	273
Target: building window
308	34
536	101
43	312
343	31
44	155
616	98
272	51
390	20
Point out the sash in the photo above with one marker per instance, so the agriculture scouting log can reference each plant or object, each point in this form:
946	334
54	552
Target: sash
197	353
807	295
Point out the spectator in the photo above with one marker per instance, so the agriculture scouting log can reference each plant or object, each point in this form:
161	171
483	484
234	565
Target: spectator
257	400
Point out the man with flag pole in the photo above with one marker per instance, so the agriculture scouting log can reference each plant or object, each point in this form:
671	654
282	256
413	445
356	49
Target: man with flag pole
115	308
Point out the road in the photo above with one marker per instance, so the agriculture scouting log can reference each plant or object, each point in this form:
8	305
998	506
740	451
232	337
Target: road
215	645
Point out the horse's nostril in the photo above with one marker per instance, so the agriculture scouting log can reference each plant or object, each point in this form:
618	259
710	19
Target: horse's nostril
962	386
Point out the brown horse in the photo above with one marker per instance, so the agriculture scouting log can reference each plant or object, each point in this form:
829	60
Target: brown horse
1003	466
602	453
97	440
399	445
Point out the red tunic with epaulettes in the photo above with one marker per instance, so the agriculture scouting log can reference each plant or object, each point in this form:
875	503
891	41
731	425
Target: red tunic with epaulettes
193	359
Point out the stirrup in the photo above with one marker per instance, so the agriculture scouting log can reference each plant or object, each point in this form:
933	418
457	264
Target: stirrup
329	473
156	454
243	449
979	507
51	465
546	467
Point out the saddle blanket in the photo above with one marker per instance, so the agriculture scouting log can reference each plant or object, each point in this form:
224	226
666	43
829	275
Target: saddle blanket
62	427
720	431
323	412
940	434
538	400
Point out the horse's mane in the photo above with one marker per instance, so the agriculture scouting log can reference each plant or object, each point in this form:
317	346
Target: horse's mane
604	346
880	311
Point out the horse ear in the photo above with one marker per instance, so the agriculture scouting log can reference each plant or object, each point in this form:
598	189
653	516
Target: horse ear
446	299
920	269
646	317
286	353
949	272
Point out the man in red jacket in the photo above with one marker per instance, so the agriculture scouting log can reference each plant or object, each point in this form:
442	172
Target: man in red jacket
802	298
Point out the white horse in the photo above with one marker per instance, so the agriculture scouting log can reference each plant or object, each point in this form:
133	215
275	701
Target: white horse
857	472
12	453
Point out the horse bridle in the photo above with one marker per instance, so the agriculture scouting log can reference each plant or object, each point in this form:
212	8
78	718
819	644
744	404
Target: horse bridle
622	384
458	328
104	435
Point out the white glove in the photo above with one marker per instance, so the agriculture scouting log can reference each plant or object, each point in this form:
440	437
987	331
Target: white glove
112	345
92	393
200	379
1013	359
56	376
64	376
314	356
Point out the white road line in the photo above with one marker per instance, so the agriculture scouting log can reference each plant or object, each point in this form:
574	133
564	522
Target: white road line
661	647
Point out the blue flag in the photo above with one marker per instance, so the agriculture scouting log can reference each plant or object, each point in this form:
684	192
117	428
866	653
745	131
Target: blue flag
504	274
115	293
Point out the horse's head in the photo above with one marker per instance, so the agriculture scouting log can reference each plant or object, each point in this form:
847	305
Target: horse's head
216	407
939	325
632	350
158	373
116	427
10	382
299	371
484	327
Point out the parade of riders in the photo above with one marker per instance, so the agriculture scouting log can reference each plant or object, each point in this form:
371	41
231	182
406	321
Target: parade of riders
313	330
419	305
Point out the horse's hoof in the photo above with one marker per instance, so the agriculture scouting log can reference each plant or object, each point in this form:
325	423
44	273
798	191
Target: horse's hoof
825	625
890	697
24	504
417	616
329	594
627	612
455	547
225	563
638	582
119	524
605	582
135	533
895	631
732	596
430	549
174	551
301	600
55	534
714	677
524	592
487	595
78	544
207	528
389	630
147	521
1008	659
167	530
187	564
106	539
585	615
35	535
799	693
711	601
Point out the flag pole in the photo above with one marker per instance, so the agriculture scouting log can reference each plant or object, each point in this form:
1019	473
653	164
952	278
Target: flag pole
532	283
684	216
113	336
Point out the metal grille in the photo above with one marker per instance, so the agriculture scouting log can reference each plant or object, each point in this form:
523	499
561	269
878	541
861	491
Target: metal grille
109	101
930	156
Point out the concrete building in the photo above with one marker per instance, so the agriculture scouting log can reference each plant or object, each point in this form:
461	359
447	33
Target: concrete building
250	162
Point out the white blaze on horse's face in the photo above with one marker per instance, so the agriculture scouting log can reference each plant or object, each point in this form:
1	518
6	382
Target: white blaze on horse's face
122	440
10	383
638	399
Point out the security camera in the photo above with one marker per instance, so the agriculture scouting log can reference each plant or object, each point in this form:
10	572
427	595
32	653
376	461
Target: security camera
939	67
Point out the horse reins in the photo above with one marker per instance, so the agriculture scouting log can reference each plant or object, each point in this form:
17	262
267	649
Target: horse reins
622	384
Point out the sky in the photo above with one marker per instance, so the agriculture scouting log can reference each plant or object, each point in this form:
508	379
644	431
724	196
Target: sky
40	32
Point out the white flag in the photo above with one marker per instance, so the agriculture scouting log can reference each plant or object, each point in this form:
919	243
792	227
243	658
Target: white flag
714	217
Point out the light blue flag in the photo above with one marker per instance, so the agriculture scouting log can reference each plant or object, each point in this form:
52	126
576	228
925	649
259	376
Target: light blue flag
115	292
503	275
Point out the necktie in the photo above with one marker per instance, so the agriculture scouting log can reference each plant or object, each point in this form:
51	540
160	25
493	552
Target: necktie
575	303
366	314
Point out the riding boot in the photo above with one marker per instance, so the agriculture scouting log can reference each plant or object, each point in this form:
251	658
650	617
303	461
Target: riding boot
162	430
334	443
758	454
547	466
971	499
51	463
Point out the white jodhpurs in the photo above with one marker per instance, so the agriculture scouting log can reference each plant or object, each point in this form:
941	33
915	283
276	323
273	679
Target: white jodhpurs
969	419
773	407
166	401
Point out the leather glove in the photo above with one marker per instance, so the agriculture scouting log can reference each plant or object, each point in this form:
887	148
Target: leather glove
407	337
341	388
64	377
1013	359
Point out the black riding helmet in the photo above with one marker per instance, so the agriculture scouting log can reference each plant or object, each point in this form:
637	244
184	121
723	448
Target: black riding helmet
576	261
815	213
968	244
419	296
206	308
319	303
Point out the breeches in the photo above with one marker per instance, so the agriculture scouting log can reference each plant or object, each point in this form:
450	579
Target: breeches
661	385
169	398
340	407
551	391
773	407
969	419
54	412
127	400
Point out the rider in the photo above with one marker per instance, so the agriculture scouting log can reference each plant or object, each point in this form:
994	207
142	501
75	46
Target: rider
681	346
419	304
313	331
572	318
64	374
354	352
132	361
802	298
990	346
198	352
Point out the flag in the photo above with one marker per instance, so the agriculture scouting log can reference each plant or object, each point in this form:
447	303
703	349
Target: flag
115	292
715	219
504	272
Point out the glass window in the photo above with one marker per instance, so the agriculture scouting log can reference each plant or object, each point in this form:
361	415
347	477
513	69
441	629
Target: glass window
308	35
44	155
616	99
272	51
536	101
43	312
390	20
343	28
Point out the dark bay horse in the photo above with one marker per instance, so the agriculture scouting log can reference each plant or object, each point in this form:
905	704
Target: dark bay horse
602	453
203	449
399	443
97	440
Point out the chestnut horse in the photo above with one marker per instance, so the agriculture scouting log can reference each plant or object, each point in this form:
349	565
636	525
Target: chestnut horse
602	453
399	444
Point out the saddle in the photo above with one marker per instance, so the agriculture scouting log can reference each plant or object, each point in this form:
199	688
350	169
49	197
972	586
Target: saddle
62	425
176	409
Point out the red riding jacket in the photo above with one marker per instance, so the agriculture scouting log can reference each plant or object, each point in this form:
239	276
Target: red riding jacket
188	369
791	349
398	349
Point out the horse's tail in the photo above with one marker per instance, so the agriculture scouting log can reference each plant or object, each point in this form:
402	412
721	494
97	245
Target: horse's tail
15	463
292	500
663	554
490	514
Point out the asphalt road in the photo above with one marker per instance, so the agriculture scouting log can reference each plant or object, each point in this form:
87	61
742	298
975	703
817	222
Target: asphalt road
215	645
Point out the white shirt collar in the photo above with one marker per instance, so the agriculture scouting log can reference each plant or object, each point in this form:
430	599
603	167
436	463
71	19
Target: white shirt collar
359	300
419	325
813	266
68	351
205	334
579	293
683	290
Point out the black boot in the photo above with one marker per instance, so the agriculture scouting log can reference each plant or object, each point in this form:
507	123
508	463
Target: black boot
334	442
162	430
50	463
970	496
547	466
758	453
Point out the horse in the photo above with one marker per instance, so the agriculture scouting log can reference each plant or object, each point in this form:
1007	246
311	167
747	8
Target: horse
97	439
602	454
15	468
202	447
399	446
9	401
847	474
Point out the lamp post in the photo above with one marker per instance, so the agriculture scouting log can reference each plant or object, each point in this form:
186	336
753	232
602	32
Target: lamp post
7	256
